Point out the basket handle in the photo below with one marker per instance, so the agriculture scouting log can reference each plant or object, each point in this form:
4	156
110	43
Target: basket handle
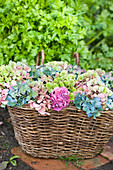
38	58
76	55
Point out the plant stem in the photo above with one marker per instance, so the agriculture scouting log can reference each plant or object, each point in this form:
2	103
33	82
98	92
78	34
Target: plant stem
100	42
93	39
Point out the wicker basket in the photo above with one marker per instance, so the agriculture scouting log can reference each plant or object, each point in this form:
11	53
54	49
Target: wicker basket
65	133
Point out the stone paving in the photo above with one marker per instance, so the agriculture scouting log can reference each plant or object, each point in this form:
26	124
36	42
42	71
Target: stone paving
108	151
54	164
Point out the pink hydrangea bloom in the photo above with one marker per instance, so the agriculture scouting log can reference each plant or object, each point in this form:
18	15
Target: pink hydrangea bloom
9	85
26	68
102	96
18	67
59	98
3	95
41	108
41	103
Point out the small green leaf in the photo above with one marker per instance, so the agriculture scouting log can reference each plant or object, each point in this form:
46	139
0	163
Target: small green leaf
34	94
28	98
3	165
13	162
14	157
61	84
71	95
48	85
98	114
104	90
67	163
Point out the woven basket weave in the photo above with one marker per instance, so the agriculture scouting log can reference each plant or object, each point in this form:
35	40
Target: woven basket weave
65	133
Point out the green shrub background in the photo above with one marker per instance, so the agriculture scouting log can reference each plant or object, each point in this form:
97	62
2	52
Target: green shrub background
60	28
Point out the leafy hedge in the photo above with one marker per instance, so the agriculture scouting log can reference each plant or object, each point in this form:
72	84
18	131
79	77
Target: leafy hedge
60	28
98	20
27	27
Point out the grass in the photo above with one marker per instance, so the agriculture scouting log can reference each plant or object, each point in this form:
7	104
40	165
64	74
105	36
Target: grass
74	160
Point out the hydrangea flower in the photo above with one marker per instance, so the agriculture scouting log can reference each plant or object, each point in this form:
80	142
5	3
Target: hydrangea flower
3	95
41	108
41	103
59	98
91	84
13	72
109	103
58	65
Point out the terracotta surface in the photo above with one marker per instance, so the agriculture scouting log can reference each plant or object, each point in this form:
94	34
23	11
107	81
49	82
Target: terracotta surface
41	164
54	164
94	163
108	151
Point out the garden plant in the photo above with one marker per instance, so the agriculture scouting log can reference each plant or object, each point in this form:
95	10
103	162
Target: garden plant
60	28
53	86
63	108
42	95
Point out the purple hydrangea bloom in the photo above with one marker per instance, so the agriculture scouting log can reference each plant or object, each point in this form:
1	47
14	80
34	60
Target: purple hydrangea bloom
59	98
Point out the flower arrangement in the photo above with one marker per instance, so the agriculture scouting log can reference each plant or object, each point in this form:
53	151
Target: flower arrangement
56	85
107	78
92	94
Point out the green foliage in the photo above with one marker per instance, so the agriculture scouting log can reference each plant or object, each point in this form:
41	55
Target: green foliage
60	28
28	26
97	18
74	160
5	145
12	160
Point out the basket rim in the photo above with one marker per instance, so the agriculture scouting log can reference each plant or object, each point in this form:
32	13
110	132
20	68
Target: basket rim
71	107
